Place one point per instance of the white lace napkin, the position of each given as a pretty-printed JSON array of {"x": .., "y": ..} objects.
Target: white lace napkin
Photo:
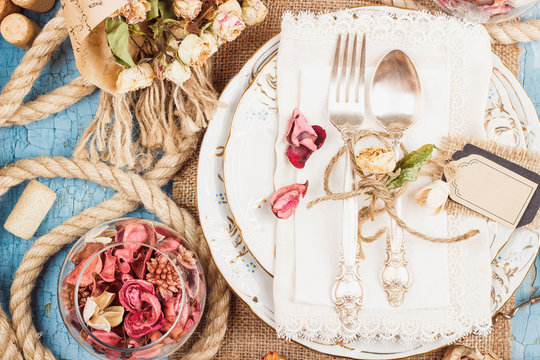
[{"x": 450, "y": 290}]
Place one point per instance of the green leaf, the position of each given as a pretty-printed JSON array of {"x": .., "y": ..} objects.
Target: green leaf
[
  {"x": 154, "y": 10},
  {"x": 117, "y": 31},
  {"x": 166, "y": 10},
  {"x": 410, "y": 165}
]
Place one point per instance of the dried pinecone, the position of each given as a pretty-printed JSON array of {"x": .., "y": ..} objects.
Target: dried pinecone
[
  {"x": 163, "y": 274},
  {"x": 68, "y": 292}
]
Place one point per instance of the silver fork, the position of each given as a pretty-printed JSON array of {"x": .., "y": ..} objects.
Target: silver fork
[{"x": 346, "y": 110}]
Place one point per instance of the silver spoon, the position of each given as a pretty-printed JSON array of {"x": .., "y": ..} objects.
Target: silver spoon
[{"x": 396, "y": 101}]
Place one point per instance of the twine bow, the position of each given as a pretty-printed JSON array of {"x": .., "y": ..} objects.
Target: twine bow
[{"x": 374, "y": 187}]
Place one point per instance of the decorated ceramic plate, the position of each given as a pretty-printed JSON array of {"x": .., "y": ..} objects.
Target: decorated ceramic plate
[{"x": 512, "y": 120}]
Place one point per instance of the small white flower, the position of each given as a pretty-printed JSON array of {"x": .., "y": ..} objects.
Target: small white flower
[
  {"x": 253, "y": 12},
  {"x": 228, "y": 26},
  {"x": 376, "y": 160},
  {"x": 230, "y": 7},
  {"x": 177, "y": 72},
  {"x": 187, "y": 9},
  {"x": 134, "y": 78},
  {"x": 193, "y": 50},
  {"x": 433, "y": 195}
]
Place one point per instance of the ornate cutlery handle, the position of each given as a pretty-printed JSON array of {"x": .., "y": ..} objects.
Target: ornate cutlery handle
[
  {"x": 348, "y": 291},
  {"x": 395, "y": 274}
]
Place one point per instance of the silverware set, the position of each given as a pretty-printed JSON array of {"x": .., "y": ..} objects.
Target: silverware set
[{"x": 395, "y": 102}]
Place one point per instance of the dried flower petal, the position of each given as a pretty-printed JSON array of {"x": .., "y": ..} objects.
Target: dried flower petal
[
  {"x": 376, "y": 160},
  {"x": 303, "y": 139},
  {"x": 130, "y": 295},
  {"x": 285, "y": 200},
  {"x": 134, "y": 233},
  {"x": 109, "y": 267},
  {"x": 98, "y": 315},
  {"x": 134, "y": 78},
  {"x": 134, "y": 11},
  {"x": 433, "y": 195},
  {"x": 86, "y": 279},
  {"x": 230, "y": 7},
  {"x": 228, "y": 26}
]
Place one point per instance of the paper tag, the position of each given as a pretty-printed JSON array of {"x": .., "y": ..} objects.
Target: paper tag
[{"x": 490, "y": 189}]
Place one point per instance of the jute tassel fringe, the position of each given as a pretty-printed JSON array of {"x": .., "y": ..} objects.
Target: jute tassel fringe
[{"x": 165, "y": 114}]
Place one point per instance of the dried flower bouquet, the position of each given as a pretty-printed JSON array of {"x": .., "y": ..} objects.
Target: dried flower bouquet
[{"x": 162, "y": 39}]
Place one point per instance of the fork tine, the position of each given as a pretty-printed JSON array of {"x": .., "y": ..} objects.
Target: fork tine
[
  {"x": 345, "y": 71},
  {"x": 353, "y": 72},
  {"x": 361, "y": 69},
  {"x": 332, "y": 93}
]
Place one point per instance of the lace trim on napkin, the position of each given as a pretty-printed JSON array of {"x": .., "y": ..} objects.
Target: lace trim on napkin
[
  {"x": 406, "y": 27},
  {"x": 402, "y": 26}
]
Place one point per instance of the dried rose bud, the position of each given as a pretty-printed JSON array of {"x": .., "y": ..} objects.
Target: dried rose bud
[
  {"x": 433, "y": 195},
  {"x": 376, "y": 160},
  {"x": 159, "y": 64},
  {"x": 272, "y": 355},
  {"x": 177, "y": 72},
  {"x": 211, "y": 40},
  {"x": 134, "y": 11},
  {"x": 228, "y": 26},
  {"x": 134, "y": 78},
  {"x": 230, "y": 7},
  {"x": 187, "y": 9},
  {"x": 285, "y": 200},
  {"x": 303, "y": 139},
  {"x": 253, "y": 12},
  {"x": 193, "y": 50}
]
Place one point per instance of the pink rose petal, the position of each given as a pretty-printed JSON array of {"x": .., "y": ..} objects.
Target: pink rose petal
[
  {"x": 130, "y": 295},
  {"x": 87, "y": 279},
  {"x": 303, "y": 139},
  {"x": 109, "y": 267},
  {"x": 285, "y": 200},
  {"x": 134, "y": 233}
]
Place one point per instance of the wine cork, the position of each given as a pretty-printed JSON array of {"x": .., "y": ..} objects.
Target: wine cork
[
  {"x": 40, "y": 6},
  {"x": 30, "y": 210},
  {"x": 19, "y": 30},
  {"x": 7, "y": 7}
]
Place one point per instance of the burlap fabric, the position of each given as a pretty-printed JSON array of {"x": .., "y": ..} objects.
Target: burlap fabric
[{"x": 248, "y": 337}]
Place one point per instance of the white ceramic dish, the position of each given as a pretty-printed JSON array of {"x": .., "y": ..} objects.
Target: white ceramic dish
[{"x": 254, "y": 285}]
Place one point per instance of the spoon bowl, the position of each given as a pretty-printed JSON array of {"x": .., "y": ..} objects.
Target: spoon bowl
[{"x": 396, "y": 93}]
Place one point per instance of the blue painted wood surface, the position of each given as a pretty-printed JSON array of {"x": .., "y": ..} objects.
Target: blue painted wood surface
[{"x": 58, "y": 135}]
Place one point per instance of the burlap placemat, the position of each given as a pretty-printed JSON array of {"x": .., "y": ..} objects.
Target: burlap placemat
[{"x": 248, "y": 337}]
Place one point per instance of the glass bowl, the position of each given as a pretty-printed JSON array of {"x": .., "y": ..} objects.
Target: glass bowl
[
  {"x": 486, "y": 11},
  {"x": 131, "y": 289}
]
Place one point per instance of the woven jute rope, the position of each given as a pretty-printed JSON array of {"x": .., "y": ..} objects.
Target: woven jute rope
[{"x": 21, "y": 334}]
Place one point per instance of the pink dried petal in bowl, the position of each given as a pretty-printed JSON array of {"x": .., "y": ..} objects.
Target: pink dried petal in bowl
[
  {"x": 131, "y": 294},
  {"x": 285, "y": 200},
  {"x": 134, "y": 233},
  {"x": 137, "y": 325},
  {"x": 86, "y": 279},
  {"x": 168, "y": 244},
  {"x": 109, "y": 267}
]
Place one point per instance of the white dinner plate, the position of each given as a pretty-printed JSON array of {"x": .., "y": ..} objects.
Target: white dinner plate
[{"x": 244, "y": 273}]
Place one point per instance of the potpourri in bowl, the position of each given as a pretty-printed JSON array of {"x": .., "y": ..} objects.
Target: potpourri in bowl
[{"x": 131, "y": 288}]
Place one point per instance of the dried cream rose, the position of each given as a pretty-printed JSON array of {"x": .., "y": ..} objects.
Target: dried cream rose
[
  {"x": 99, "y": 315},
  {"x": 253, "y": 12},
  {"x": 211, "y": 40},
  {"x": 187, "y": 9},
  {"x": 376, "y": 160},
  {"x": 433, "y": 195},
  {"x": 177, "y": 72},
  {"x": 134, "y": 78},
  {"x": 134, "y": 11},
  {"x": 193, "y": 50},
  {"x": 230, "y": 7},
  {"x": 227, "y": 26}
]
